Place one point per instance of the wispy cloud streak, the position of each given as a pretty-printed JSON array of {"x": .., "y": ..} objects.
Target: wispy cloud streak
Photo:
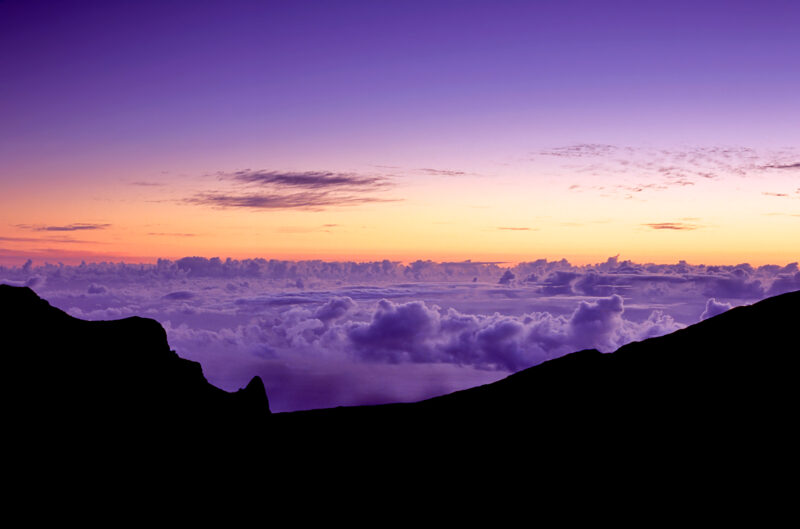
[
  {"x": 40, "y": 239},
  {"x": 80, "y": 226},
  {"x": 308, "y": 179},
  {"x": 442, "y": 172},
  {"x": 309, "y": 190},
  {"x": 671, "y": 226},
  {"x": 636, "y": 170},
  {"x": 306, "y": 200},
  {"x": 783, "y": 166}
]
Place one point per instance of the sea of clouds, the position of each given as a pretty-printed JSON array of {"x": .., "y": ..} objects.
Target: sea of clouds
[{"x": 324, "y": 334}]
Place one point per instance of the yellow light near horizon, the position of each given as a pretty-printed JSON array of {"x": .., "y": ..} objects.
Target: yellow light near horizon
[{"x": 480, "y": 219}]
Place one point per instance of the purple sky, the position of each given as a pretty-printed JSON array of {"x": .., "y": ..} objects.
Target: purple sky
[
  {"x": 137, "y": 116},
  {"x": 173, "y": 76},
  {"x": 390, "y": 132}
]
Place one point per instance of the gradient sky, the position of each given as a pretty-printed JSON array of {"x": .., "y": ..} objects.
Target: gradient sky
[{"x": 505, "y": 131}]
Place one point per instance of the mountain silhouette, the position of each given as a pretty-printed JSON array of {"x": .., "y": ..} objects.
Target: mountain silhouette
[
  {"x": 108, "y": 378},
  {"x": 713, "y": 391},
  {"x": 720, "y": 388}
]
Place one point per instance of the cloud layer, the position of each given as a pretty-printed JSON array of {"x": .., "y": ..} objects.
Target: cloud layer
[{"x": 334, "y": 333}]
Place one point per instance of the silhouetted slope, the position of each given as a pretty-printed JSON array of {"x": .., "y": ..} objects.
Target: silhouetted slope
[
  {"x": 725, "y": 385},
  {"x": 75, "y": 378}
]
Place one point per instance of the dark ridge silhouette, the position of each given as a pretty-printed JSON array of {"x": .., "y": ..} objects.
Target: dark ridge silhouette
[
  {"x": 721, "y": 391},
  {"x": 119, "y": 380},
  {"x": 723, "y": 365}
]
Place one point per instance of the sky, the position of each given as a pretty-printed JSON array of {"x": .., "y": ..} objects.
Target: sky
[{"x": 363, "y": 131}]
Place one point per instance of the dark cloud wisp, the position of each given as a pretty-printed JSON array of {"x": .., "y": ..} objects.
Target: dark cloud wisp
[
  {"x": 308, "y": 179},
  {"x": 795, "y": 165},
  {"x": 306, "y": 200},
  {"x": 78, "y": 226},
  {"x": 144, "y": 183},
  {"x": 41, "y": 239},
  {"x": 671, "y": 226},
  {"x": 311, "y": 190},
  {"x": 442, "y": 172}
]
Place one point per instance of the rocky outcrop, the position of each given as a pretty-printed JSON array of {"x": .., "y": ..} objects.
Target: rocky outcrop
[{"x": 72, "y": 377}]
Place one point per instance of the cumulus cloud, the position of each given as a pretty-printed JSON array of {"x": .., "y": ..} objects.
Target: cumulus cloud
[
  {"x": 415, "y": 332},
  {"x": 714, "y": 307},
  {"x": 397, "y": 333},
  {"x": 31, "y": 282},
  {"x": 594, "y": 323},
  {"x": 786, "y": 281},
  {"x": 739, "y": 283},
  {"x": 334, "y": 309},
  {"x": 507, "y": 277},
  {"x": 96, "y": 289}
]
